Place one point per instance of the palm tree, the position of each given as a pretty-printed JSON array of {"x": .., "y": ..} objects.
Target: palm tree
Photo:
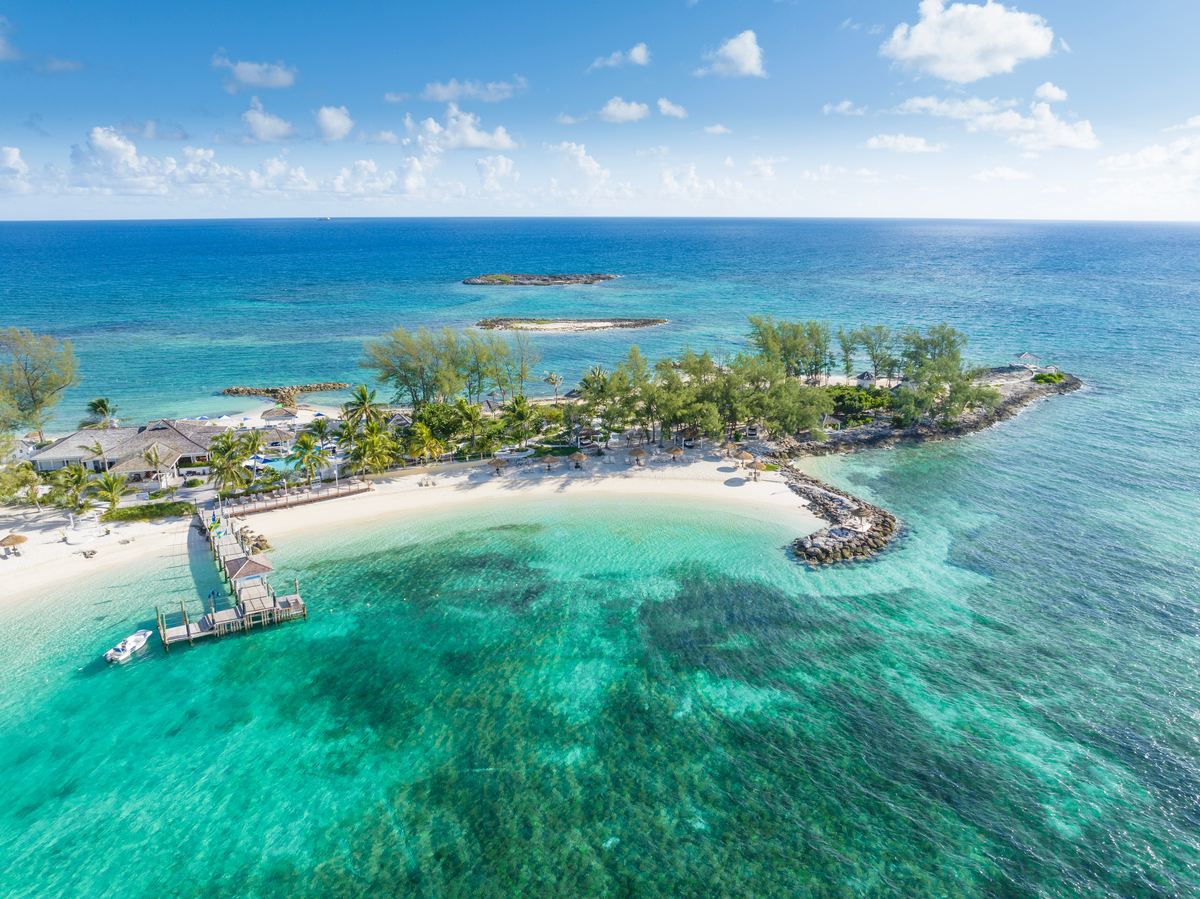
[
  {"x": 423, "y": 444},
  {"x": 361, "y": 408},
  {"x": 308, "y": 453},
  {"x": 96, "y": 449},
  {"x": 375, "y": 450},
  {"x": 519, "y": 416},
  {"x": 471, "y": 416},
  {"x": 155, "y": 459},
  {"x": 101, "y": 414},
  {"x": 226, "y": 455},
  {"x": 321, "y": 429},
  {"x": 253, "y": 445},
  {"x": 555, "y": 381},
  {"x": 68, "y": 486},
  {"x": 110, "y": 488}
]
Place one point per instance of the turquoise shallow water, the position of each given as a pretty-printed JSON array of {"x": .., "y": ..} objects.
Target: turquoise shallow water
[{"x": 640, "y": 698}]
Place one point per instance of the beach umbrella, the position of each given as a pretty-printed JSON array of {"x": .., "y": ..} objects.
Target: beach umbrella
[
  {"x": 577, "y": 458},
  {"x": 636, "y": 454},
  {"x": 549, "y": 461},
  {"x": 743, "y": 456},
  {"x": 497, "y": 464},
  {"x": 757, "y": 467},
  {"x": 675, "y": 452},
  {"x": 13, "y": 540},
  {"x": 728, "y": 447}
]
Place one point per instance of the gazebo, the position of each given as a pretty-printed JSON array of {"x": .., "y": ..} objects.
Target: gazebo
[
  {"x": 497, "y": 464},
  {"x": 637, "y": 454},
  {"x": 743, "y": 457},
  {"x": 1028, "y": 359},
  {"x": 675, "y": 452},
  {"x": 577, "y": 459}
]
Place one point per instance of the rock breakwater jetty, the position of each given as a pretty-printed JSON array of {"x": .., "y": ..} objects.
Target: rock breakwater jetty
[
  {"x": 512, "y": 279},
  {"x": 566, "y": 324},
  {"x": 857, "y": 529},
  {"x": 285, "y": 396}
]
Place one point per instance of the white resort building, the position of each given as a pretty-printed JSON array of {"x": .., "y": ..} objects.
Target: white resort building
[{"x": 126, "y": 450}]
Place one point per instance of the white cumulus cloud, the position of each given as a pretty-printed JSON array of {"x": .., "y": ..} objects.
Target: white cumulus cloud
[
  {"x": 14, "y": 171},
  {"x": 617, "y": 110},
  {"x": 253, "y": 74},
  {"x": 396, "y": 97},
  {"x": 363, "y": 179},
  {"x": 462, "y": 132},
  {"x": 843, "y": 108},
  {"x": 1051, "y": 93},
  {"x": 666, "y": 107},
  {"x": 492, "y": 169},
  {"x": 717, "y": 129},
  {"x": 902, "y": 143},
  {"x": 1193, "y": 122},
  {"x": 638, "y": 55},
  {"x": 263, "y": 127},
  {"x": 1041, "y": 130},
  {"x": 333, "y": 122},
  {"x": 492, "y": 92},
  {"x": 738, "y": 56},
  {"x": 1002, "y": 173},
  {"x": 965, "y": 42},
  {"x": 577, "y": 153}
]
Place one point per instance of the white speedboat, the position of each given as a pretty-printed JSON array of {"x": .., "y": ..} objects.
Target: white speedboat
[{"x": 127, "y": 647}]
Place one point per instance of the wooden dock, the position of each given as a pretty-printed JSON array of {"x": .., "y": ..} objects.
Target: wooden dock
[
  {"x": 297, "y": 497},
  {"x": 255, "y": 602}
]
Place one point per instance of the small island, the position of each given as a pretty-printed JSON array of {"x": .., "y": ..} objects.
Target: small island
[
  {"x": 510, "y": 279},
  {"x": 566, "y": 324}
]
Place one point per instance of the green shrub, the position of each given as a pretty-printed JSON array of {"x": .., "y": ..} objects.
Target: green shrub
[
  {"x": 149, "y": 512},
  {"x": 1049, "y": 377},
  {"x": 194, "y": 482}
]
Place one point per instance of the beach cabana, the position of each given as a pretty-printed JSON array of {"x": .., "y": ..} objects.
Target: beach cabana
[
  {"x": 497, "y": 464},
  {"x": 675, "y": 452},
  {"x": 577, "y": 459},
  {"x": 866, "y": 380},
  {"x": 637, "y": 454},
  {"x": 743, "y": 457},
  {"x": 12, "y": 541}
]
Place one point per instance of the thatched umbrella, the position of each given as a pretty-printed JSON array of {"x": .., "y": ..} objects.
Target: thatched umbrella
[
  {"x": 549, "y": 461},
  {"x": 13, "y": 540},
  {"x": 637, "y": 453},
  {"x": 497, "y": 464},
  {"x": 675, "y": 452},
  {"x": 728, "y": 447},
  {"x": 743, "y": 456},
  {"x": 577, "y": 458},
  {"x": 757, "y": 467}
]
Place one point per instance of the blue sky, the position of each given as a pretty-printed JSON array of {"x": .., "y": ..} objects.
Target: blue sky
[{"x": 1034, "y": 109}]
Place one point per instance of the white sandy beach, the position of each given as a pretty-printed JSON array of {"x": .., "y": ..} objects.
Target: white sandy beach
[{"x": 46, "y": 561}]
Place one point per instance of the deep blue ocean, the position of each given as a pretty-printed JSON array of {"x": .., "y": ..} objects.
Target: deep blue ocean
[{"x": 639, "y": 698}]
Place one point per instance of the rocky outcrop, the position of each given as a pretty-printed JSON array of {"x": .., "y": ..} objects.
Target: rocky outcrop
[
  {"x": 285, "y": 396},
  {"x": 509, "y": 279},
  {"x": 857, "y": 529}
]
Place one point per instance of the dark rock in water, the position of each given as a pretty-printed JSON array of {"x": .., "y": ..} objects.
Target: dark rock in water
[{"x": 525, "y": 280}]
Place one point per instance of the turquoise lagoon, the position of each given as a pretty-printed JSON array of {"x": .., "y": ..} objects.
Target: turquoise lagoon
[{"x": 640, "y": 697}]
